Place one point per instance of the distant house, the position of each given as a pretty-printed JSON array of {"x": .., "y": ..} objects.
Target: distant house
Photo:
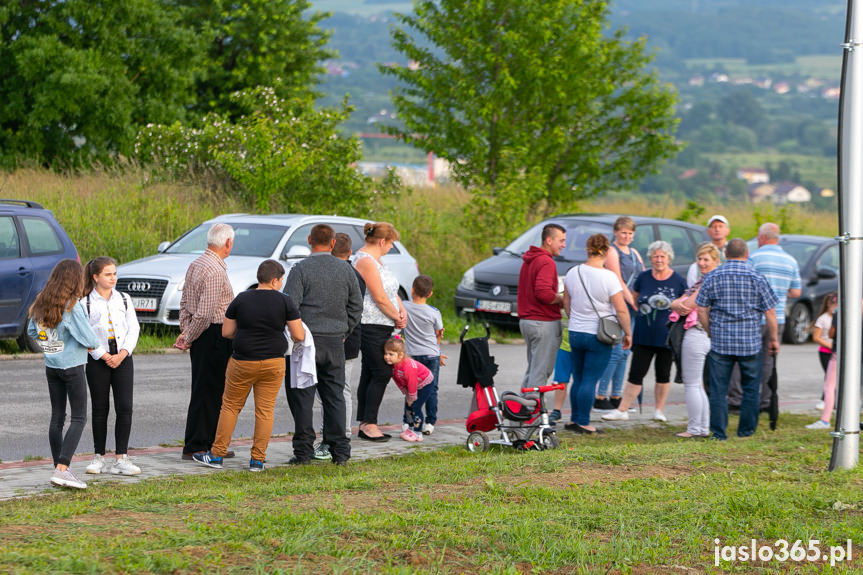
[
  {"x": 779, "y": 193},
  {"x": 753, "y": 175},
  {"x": 697, "y": 80},
  {"x": 781, "y": 87},
  {"x": 690, "y": 173},
  {"x": 831, "y": 93}
]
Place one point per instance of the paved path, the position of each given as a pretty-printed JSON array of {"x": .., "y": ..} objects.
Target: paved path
[{"x": 799, "y": 376}]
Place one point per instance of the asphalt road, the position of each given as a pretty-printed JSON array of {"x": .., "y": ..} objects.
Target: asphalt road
[{"x": 162, "y": 391}]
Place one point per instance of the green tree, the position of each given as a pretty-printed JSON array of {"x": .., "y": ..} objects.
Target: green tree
[
  {"x": 742, "y": 108},
  {"x": 256, "y": 43},
  {"x": 276, "y": 155},
  {"x": 80, "y": 76},
  {"x": 535, "y": 104}
]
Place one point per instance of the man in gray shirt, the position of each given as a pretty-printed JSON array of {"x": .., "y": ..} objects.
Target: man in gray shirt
[{"x": 328, "y": 295}]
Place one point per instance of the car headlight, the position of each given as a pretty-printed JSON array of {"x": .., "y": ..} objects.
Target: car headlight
[
  {"x": 468, "y": 280},
  {"x": 181, "y": 285}
]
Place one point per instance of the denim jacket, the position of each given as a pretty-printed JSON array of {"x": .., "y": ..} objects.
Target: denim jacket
[{"x": 66, "y": 345}]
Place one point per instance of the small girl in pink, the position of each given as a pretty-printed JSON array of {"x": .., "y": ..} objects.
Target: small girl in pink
[{"x": 413, "y": 379}]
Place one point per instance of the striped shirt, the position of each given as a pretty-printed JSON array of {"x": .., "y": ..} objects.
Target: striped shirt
[
  {"x": 737, "y": 296},
  {"x": 781, "y": 271},
  {"x": 206, "y": 295}
]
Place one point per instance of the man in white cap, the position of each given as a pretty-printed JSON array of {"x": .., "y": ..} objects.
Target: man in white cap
[{"x": 718, "y": 230}]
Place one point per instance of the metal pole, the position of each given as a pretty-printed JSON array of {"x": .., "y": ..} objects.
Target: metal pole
[{"x": 847, "y": 434}]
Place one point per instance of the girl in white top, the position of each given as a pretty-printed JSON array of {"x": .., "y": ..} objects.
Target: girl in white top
[
  {"x": 588, "y": 286},
  {"x": 109, "y": 366}
]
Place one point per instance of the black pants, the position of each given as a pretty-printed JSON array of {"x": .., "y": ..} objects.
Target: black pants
[
  {"x": 62, "y": 384},
  {"x": 330, "y": 363},
  {"x": 101, "y": 380},
  {"x": 301, "y": 403},
  {"x": 375, "y": 373},
  {"x": 210, "y": 354}
]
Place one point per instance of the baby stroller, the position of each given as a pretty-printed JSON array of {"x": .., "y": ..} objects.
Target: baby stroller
[{"x": 521, "y": 419}]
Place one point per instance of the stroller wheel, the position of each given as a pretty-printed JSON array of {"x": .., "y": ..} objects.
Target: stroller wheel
[
  {"x": 477, "y": 441},
  {"x": 549, "y": 440}
]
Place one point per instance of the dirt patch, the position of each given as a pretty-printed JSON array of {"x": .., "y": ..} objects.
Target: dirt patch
[{"x": 588, "y": 473}]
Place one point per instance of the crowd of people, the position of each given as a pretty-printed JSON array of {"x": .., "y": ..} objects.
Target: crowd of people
[
  {"x": 304, "y": 330},
  {"x": 720, "y": 325}
]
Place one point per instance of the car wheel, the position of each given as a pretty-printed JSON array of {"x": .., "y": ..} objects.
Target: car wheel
[
  {"x": 27, "y": 343},
  {"x": 797, "y": 323}
]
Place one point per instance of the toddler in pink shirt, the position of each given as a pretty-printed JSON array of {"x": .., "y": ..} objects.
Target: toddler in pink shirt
[{"x": 413, "y": 379}]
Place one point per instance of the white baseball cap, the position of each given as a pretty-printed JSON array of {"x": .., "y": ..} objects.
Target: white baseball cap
[{"x": 717, "y": 218}]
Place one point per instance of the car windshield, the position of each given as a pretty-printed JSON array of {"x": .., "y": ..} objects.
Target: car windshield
[
  {"x": 800, "y": 251},
  {"x": 257, "y": 240},
  {"x": 577, "y": 233}
]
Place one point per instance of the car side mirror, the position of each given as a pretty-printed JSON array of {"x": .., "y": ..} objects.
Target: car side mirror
[
  {"x": 826, "y": 274},
  {"x": 162, "y": 247},
  {"x": 496, "y": 251},
  {"x": 298, "y": 252}
]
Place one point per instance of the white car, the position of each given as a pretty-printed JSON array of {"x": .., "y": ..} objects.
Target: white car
[{"x": 156, "y": 282}]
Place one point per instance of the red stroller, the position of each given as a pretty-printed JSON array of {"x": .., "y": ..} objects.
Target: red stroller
[{"x": 521, "y": 419}]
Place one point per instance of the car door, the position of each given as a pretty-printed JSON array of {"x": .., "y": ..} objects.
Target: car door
[{"x": 16, "y": 278}]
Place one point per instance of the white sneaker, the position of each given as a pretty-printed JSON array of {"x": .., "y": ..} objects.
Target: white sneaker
[
  {"x": 818, "y": 425},
  {"x": 123, "y": 466},
  {"x": 405, "y": 427},
  {"x": 659, "y": 416},
  {"x": 67, "y": 479},
  {"x": 428, "y": 428},
  {"x": 616, "y": 415},
  {"x": 98, "y": 465},
  {"x": 819, "y": 405}
]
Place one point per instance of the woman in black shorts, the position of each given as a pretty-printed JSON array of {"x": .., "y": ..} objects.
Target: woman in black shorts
[{"x": 653, "y": 291}]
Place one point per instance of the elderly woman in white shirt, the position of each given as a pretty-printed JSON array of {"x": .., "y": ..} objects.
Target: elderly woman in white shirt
[
  {"x": 591, "y": 292},
  {"x": 109, "y": 367}
]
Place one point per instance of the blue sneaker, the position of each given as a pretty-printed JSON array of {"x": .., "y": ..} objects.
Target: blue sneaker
[
  {"x": 554, "y": 416},
  {"x": 256, "y": 465},
  {"x": 207, "y": 458}
]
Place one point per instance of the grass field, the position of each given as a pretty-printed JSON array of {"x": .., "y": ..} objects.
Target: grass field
[
  {"x": 631, "y": 501},
  {"x": 126, "y": 215},
  {"x": 824, "y": 66}
]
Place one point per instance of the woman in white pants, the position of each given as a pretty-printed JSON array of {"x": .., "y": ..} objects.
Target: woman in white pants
[{"x": 696, "y": 345}]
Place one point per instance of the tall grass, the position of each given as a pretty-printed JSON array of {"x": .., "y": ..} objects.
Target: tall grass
[{"x": 125, "y": 215}]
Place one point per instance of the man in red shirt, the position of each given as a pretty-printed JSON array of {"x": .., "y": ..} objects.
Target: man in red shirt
[{"x": 539, "y": 303}]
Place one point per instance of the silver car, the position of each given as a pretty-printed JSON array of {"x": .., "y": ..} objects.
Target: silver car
[{"x": 156, "y": 282}]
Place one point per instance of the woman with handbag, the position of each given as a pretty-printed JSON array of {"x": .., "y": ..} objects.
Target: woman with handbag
[
  {"x": 696, "y": 345},
  {"x": 653, "y": 291},
  {"x": 598, "y": 318}
]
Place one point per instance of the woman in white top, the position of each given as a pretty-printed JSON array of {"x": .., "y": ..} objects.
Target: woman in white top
[
  {"x": 109, "y": 366},
  {"x": 383, "y": 312},
  {"x": 591, "y": 292}
]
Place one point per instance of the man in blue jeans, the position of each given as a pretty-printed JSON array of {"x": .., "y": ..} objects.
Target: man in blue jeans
[{"x": 731, "y": 302}]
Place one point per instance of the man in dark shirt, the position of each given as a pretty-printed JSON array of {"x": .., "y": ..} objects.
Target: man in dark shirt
[{"x": 328, "y": 296}]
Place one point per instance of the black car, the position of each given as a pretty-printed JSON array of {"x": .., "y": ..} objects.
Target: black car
[
  {"x": 818, "y": 258},
  {"x": 31, "y": 244},
  {"x": 488, "y": 290}
]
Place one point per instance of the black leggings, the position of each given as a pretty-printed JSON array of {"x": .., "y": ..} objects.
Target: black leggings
[
  {"x": 102, "y": 379},
  {"x": 641, "y": 358},
  {"x": 375, "y": 374},
  {"x": 66, "y": 384}
]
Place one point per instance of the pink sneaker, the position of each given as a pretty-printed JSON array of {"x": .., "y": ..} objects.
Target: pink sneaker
[{"x": 409, "y": 435}]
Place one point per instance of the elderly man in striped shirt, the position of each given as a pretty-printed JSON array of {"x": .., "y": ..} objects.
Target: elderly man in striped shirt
[
  {"x": 206, "y": 296},
  {"x": 731, "y": 303}
]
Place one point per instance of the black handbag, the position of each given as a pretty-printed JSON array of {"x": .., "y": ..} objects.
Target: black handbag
[{"x": 608, "y": 331}]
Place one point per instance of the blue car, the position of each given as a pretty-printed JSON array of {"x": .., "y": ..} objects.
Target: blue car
[{"x": 31, "y": 244}]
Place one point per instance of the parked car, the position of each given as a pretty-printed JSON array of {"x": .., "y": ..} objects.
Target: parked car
[
  {"x": 488, "y": 290},
  {"x": 31, "y": 244},
  {"x": 156, "y": 282},
  {"x": 818, "y": 258}
]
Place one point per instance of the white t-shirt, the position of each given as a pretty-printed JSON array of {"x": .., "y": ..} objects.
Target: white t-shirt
[
  {"x": 601, "y": 284},
  {"x": 825, "y": 321}
]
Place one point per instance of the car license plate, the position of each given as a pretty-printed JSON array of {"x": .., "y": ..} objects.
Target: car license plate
[
  {"x": 493, "y": 306},
  {"x": 145, "y": 303}
]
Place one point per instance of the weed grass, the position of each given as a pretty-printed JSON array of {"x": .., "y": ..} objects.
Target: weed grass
[
  {"x": 126, "y": 215},
  {"x": 632, "y": 501}
]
